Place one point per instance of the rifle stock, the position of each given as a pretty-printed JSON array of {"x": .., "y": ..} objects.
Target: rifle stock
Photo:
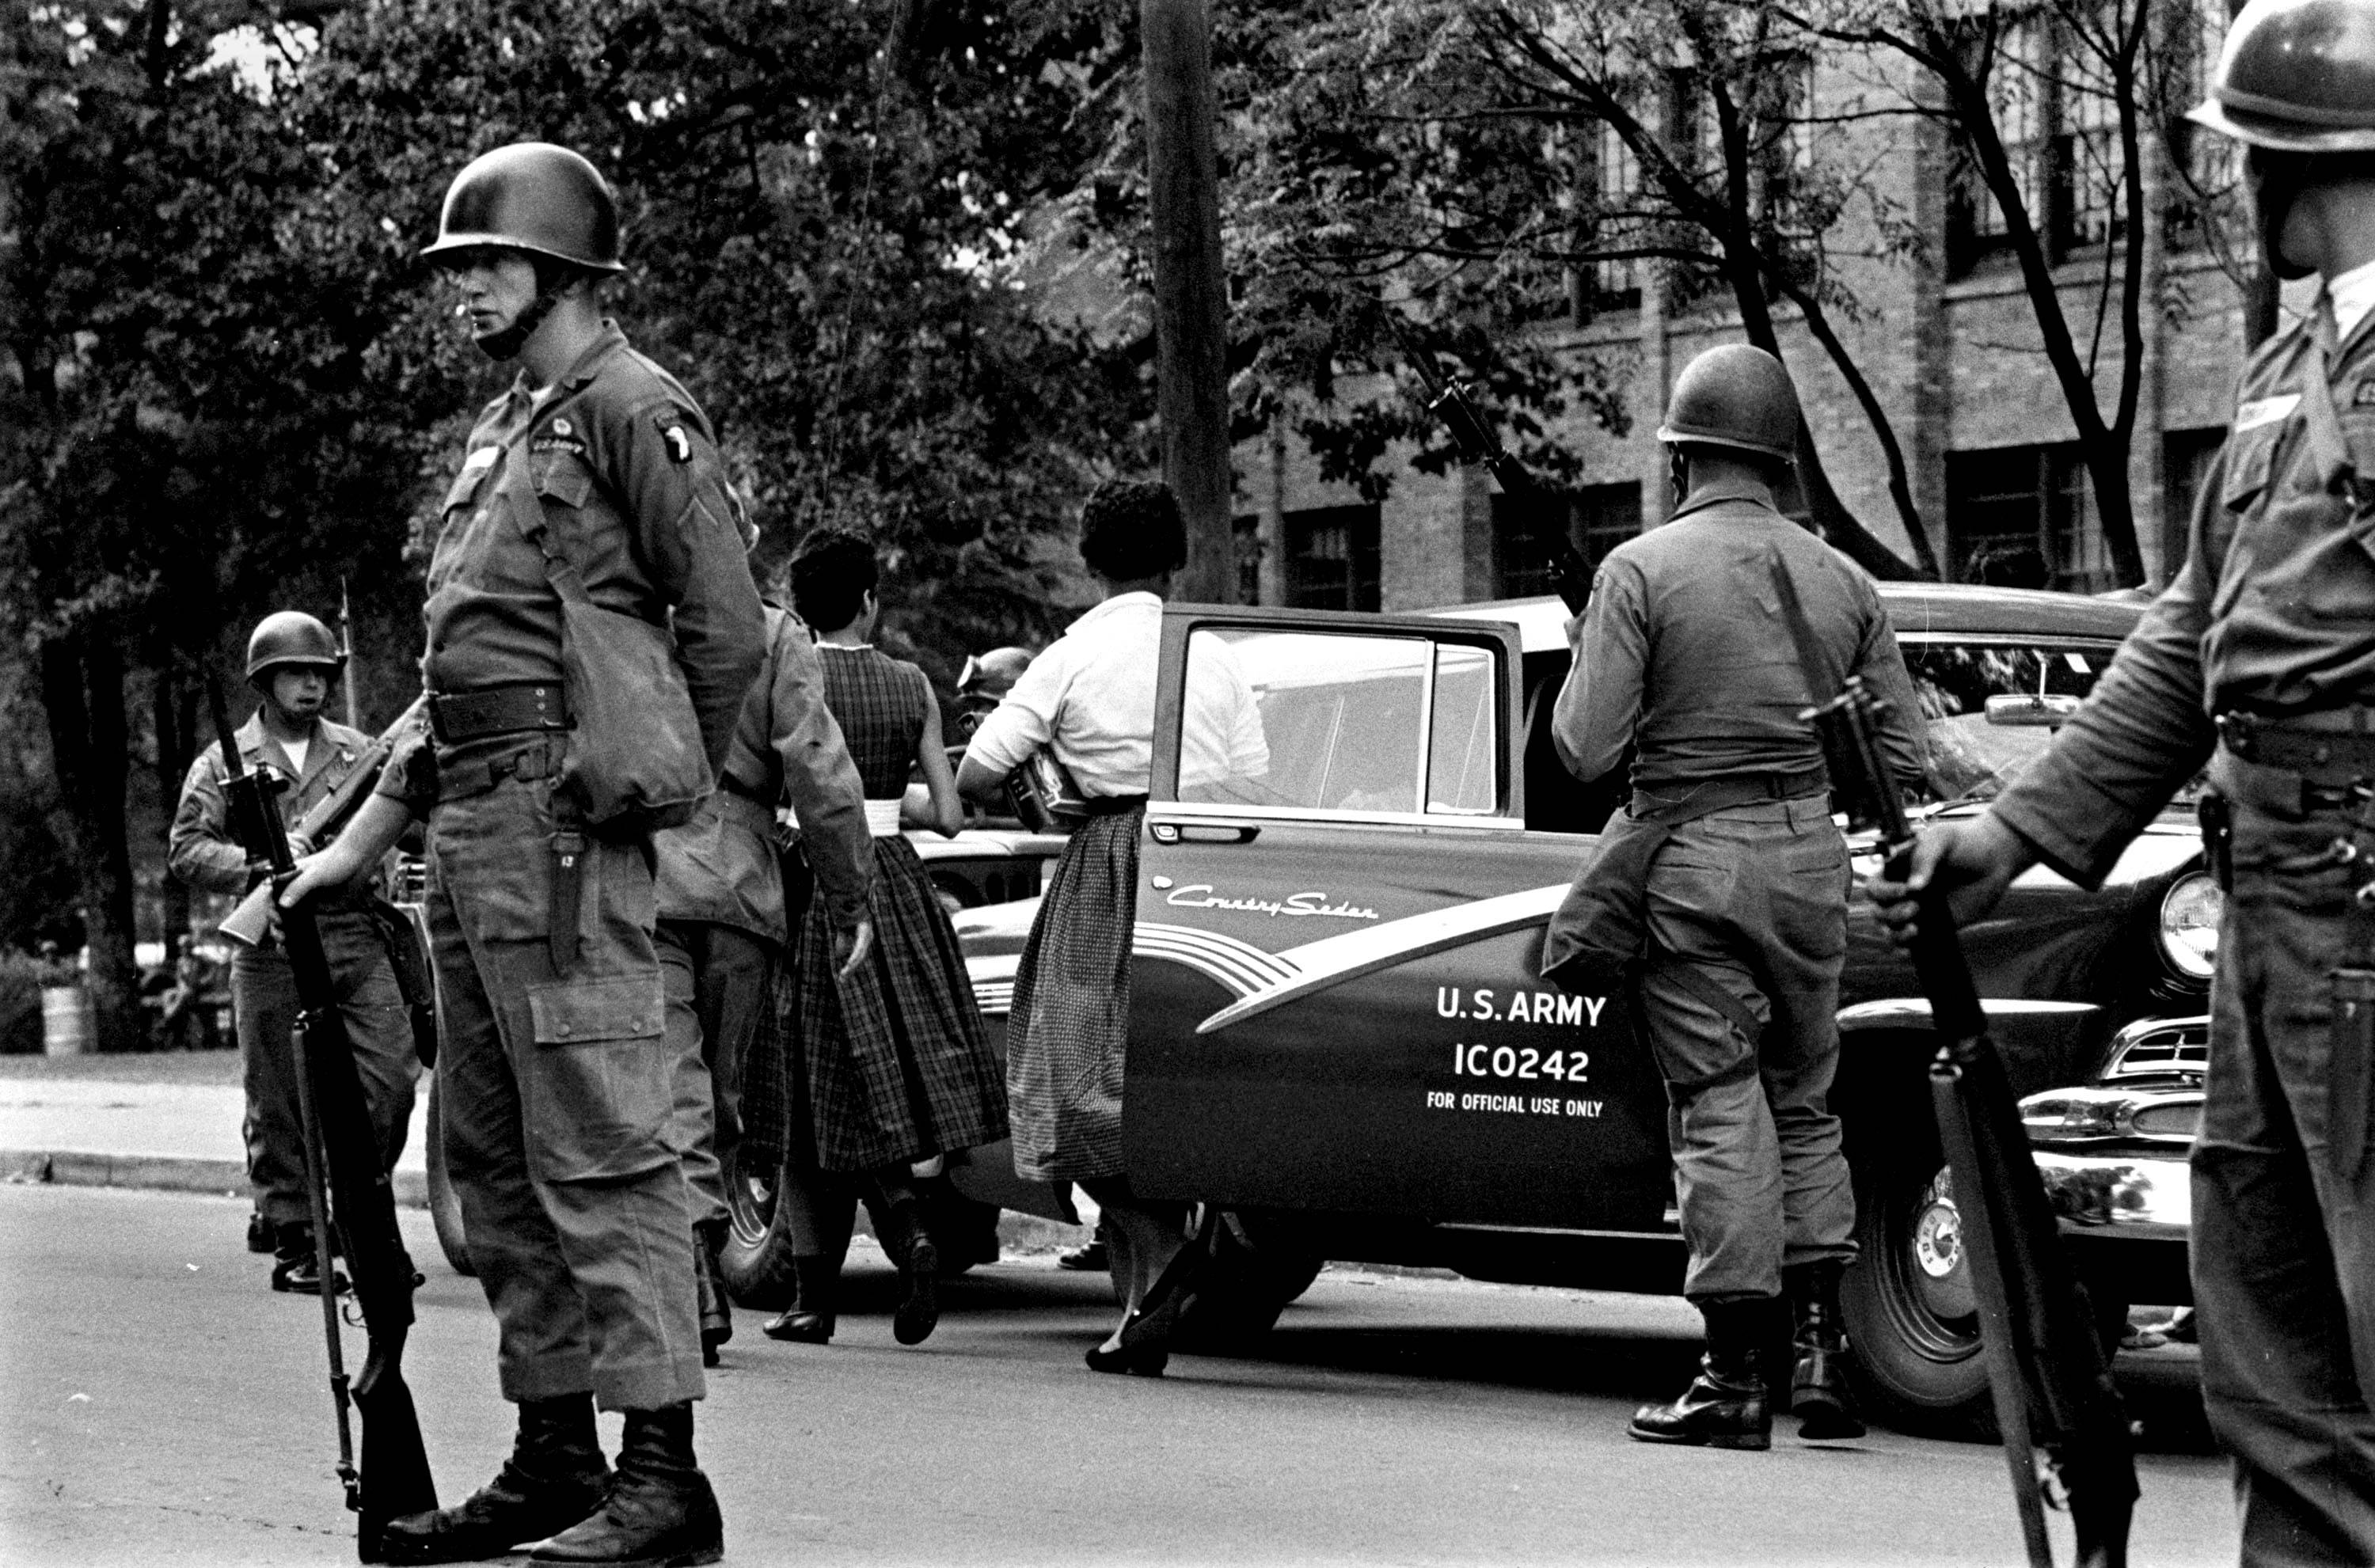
[
  {"x": 2048, "y": 1374},
  {"x": 393, "y": 1478},
  {"x": 251, "y": 922}
]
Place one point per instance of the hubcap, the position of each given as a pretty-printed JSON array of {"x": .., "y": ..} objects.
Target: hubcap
[{"x": 1941, "y": 1274}]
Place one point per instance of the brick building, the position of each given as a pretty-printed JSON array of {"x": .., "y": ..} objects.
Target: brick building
[{"x": 1951, "y": 347}]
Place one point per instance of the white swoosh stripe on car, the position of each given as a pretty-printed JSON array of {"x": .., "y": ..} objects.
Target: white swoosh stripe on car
[
  {"x": 1333, "y": 960},
  {"x": 1240, "y": 966}
]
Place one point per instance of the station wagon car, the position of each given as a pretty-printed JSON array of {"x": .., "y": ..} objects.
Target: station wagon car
[{"x": 1340, "y": 1039}]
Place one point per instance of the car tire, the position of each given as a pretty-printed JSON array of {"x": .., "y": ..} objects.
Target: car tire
[
  {"x": 756, "y": 1261},
  {"x": 444, "y": 1203},
  {"x": 1911, "y": 1310}
]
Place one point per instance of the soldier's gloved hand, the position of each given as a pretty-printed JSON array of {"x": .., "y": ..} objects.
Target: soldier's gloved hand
[
  {"x": 1972, "y": 861},
  {"x": 851, "y": 945}
]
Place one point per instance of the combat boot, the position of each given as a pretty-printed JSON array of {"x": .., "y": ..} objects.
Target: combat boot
[
  {"x": 716, "y": 1310},
  {"x": 1819, "y": 1396},
  {"x": 1725, "y": 1405},
  {"x": 554, "y": 1478},
  {"x": 809, "y": 1320},
  {"x": 660, "y": 1512}
]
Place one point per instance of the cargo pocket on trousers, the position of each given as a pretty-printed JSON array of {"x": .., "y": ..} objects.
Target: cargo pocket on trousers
[{"x": 597, "y": 1096}]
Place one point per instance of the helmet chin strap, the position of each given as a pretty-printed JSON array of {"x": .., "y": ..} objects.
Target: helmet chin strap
[
  {"x": 2278, "y": 186},
  {"x": 1678, "y": 474},
  {"x": 505, "y": 343}
]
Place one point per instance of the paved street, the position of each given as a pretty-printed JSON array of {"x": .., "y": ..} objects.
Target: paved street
[{"x": 159, "y": 1407}]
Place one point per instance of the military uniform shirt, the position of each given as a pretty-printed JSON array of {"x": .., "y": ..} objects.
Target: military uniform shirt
[
  {"x": 202, "y": 851},
  {"x": 623, "y": 462},
  {"x": 2273, "y": 613},
  {"x": 1684, "y": 641}
]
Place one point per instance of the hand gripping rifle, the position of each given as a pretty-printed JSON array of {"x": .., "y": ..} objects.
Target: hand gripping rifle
[
  {"x": 251, "y": 922},
  {"x": 2047, "y": 1371},
  {"x": 344, "y": 1176},
  {"x": 1449, "y": 403}
]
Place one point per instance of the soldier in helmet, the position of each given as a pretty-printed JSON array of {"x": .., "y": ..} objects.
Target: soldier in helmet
[
  {"x": 590, "y": 513},
  {"x": 1727, "y": 867},
  {"x": 2259, "y": 659},
  {"x": 292, "y": 661}
]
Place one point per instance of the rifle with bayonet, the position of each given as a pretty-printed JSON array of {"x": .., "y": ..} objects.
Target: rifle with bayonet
[
  {"x": 251, "y": 922},
  {"x": 1449, "y": 402},
  {"x": 2047, "y": 1373},
  {"x": 347, "y": 1184}
]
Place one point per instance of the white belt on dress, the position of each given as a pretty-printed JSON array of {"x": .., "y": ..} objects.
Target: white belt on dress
[{"x": 882, "y": 819}]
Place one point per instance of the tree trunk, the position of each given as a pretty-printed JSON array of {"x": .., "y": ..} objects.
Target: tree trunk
[
  {"x": 1191, "y": 326},
  {"x": 173, "y": 713},
  {"x": 82, "y": 689}
]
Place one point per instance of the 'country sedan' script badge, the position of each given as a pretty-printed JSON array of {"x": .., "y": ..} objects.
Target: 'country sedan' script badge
[{"x": 1199, "y": 895}]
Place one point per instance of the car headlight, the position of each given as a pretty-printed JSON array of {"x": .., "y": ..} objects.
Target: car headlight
[{"x": 2189, "y": 926}]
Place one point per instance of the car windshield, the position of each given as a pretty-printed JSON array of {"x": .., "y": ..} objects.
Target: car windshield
[{"x": 1973, "y": 758}]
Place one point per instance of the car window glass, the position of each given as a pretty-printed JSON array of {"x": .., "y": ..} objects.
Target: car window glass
[
  {"x": 1339, "y": 719},
  {"x": 1970, "y": 757},
  {"x": 1463, "y": 749}
]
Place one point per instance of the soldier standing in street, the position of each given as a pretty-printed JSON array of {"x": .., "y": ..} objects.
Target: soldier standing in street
[
  {"x": 292, "y": 661},
  {"x": 2260, "y": 660},
  {"x": 590, "y": 528},
  {"x": 722, "y": 924},
  {"x": 1731, "y": 867}
]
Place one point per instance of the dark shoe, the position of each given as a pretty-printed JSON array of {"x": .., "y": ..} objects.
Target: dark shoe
[
  {"x": 809, "y": 1320},
  {"x": 716, "y": 1309},
  {"x": 1137, "y": 1359},
  {"x": 1090, "y": 1259},
  {"x": 919, "y": 1312},
  {"x": 660, "y": 1512},
  {"x": 260, "y": 1233},
  {"x": 1725, "y": 1405},
  {"x": 295, "y": 1267},
  {"x": 554, "y": 1478},
  {"x": 1819, "y": 1395}
]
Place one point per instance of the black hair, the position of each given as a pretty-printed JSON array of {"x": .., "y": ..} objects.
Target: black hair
[
  {"x": 831, "y": 573},
  {"x": 1131, "y": 529}
]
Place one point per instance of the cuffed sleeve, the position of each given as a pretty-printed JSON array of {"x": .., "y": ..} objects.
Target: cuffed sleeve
[{"x": 409, "y": 775}]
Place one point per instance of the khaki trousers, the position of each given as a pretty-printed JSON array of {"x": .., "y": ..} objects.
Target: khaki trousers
[
  {"x": 719, "y": 980},
  {"x": 557, "y": 1099},
  {"x": 264, "y": 1012},
  {"x": 2284, "y": 1223},
  {"x": 1754, "y": 899}
]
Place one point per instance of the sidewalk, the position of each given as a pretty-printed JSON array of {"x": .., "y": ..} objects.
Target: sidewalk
[{"x": 170, "y": 1122}]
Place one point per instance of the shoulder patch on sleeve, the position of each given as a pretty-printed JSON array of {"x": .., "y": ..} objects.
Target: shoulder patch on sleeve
[{"x": 672, "y": 433}]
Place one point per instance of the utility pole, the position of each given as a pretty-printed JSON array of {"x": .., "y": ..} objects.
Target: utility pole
[{"x": 1191, "y": 306}]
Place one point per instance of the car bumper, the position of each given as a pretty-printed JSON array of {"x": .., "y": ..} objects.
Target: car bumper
[{"x": 2144, "y": 1197}]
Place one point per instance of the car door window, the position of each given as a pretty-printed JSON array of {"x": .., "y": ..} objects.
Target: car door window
[{"x": 1321, "y": 720}]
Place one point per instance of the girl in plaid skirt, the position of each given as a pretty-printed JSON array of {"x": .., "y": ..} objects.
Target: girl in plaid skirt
[{"x": 892, "y": 1063}]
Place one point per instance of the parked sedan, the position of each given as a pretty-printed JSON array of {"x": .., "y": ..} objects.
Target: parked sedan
[{"x": 1339, "y": 1036}]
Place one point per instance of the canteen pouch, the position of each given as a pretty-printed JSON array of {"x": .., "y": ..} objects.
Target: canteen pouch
[
  {"x": 1600, "y": 932},
  {"x": 636, "y": 756}
]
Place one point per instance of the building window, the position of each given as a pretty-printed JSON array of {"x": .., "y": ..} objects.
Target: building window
[
  {"x": 2185, "y": 459},
  {"x": 2023, "y": 517},
  {"x": 2205, "y": 204},
  {"x": 2058, "y": 118},
  {"x": 1332, "y": 558},
  {"x": 1527, "y": 533}
]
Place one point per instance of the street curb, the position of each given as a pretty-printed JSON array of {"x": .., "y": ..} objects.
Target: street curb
[
  {"x": 167, "y": 1173},
  {"x": 157, "y": 1173}
]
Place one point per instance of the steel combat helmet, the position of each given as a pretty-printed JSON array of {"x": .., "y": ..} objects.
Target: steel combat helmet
[
  {"x": 292, "y": 637},
  {"x": 535, "y": 197},
  {"x": 2296, "y": 75},
  {"x": 1735, "y": 396}
]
